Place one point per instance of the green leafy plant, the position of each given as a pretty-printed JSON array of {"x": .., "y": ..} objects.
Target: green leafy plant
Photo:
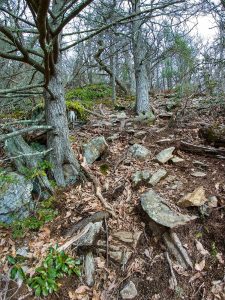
[
  {"x": 214, "y": 250},
  {"x": 45, "y": 213},
  {"x": 40, "y": 170},
  {"x": 57, "y": 264},
  {"x": 89, "y": 92},
  {"x": 104, "y": 169},
  {"x": 16, "y": 270}
]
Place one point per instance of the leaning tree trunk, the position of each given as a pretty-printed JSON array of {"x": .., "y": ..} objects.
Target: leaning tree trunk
[{"x": 58, "y": 138}]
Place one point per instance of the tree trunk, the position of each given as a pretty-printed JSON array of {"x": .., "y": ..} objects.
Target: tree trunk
[
  {"x": 139, "y": 52},
  {"x": 58, "y": 138}
]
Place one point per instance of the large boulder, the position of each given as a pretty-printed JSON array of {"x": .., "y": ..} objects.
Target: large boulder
[
  {"x": 94, "y": 149},
  {"x": 15, "y": 197}
]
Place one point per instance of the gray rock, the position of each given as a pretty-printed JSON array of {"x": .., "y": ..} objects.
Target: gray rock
[
  {"x": 140, "y": 152},
  {"x": 160, "y": 213},
  {"x": 212, "y": 201},
  {"x": 147, "y": 118},
  {"x": 89, "y": 238},
  {"x": 102, "y": 123},
  {"x": 141, "y": 177},
  {"x": 176, "y": 159},
  {"x": 121, "y": 115},
  {"x": 89, "y": 269},
  {"x": 129, "y": 291},
  {"x": 113, "y": 137},
  {"x": 157, "y": 176},
  {"x": 15, "y": 197},
  {"x": 23, "y": 251},
  {"x": 120, "y": 256},
  {"x": 165, "y": 155},
  {"x": 94, "y": 149},
  {"x": 198, "y": 174},
  {"x": 128, "y": 237}
]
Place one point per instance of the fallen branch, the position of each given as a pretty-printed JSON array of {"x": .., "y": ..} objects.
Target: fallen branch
[
  {"x": 97, "y": 186},
  {"x": 4, "y": 137},
  {"x": 28, "y": 154},
  {"x": 202, "y": 150}
]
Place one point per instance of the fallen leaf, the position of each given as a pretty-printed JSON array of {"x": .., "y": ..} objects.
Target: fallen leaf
[
  {"x": 200, "y": 266},
  {"x": 201, "y": 249},
  {"x": 220, "y": 258}
]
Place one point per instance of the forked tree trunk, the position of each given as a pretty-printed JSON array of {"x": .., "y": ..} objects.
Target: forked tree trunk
[{"x": 58, "y": 138}]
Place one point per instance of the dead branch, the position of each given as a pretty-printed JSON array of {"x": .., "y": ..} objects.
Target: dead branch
[
  {"x": 201, "y": 150},
  {"x": 4, "y": 137},
  {"x": 97, "y": 186}
]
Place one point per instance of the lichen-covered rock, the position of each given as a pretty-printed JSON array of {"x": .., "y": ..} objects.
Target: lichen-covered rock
[
  {"x": 129, "y": 291},
  {"x": 196, "y": 198},
  {"x": 139, "y": 152},
  {"x": 165, "y": 155},
  {"x": 160, "y": 213},
  {"x": 15, "y": 197},
  {"x": 157, "y": 176},
  {"x": 141, "y": 177},
  {"x": 94, "y": 149},
  {"x": 147, "y": 118}
]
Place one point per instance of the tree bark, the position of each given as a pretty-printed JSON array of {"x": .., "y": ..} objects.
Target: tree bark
[
  {"x": 139, "y": 52},
  {"x": 58, "y": 138}
]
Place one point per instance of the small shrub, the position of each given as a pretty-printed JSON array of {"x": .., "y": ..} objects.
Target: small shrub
[{"x": 56, "y": 264}]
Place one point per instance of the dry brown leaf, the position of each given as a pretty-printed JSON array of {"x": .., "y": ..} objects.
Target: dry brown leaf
[
  {"x": 200, "y": 266},
  {"x": 220, "y": 258},
  {"x": 100, "y": 262},
  {"x": 201, "y": 249}
]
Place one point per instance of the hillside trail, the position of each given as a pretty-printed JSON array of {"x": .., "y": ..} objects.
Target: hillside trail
[{"x": 129, "y": 248}]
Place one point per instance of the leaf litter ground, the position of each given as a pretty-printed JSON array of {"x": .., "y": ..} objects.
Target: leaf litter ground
[{"x": 147, "y": 266}]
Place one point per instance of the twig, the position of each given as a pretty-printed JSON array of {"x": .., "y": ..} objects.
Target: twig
[
  {"x": 107, "y": 243},
  {"x": 97, "y": 186}
]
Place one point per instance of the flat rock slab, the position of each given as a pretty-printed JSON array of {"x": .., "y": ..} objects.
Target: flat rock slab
[
  {"x": 128, "y": 237},
  {"x": 89, "y": 269},
  {"x": 129, "y": 291},
  {"x": 198, "y": 174},
  {"x": 159, "y": 212},
  {"x": 94, "y": 149},
  {"x": 176, "y": 159},
  {"x": 157, "y": 176},
  {"x": 165, "y": 155},
  {"x": 196, "y": 198},
  {"x": 140, "y": 152}
]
